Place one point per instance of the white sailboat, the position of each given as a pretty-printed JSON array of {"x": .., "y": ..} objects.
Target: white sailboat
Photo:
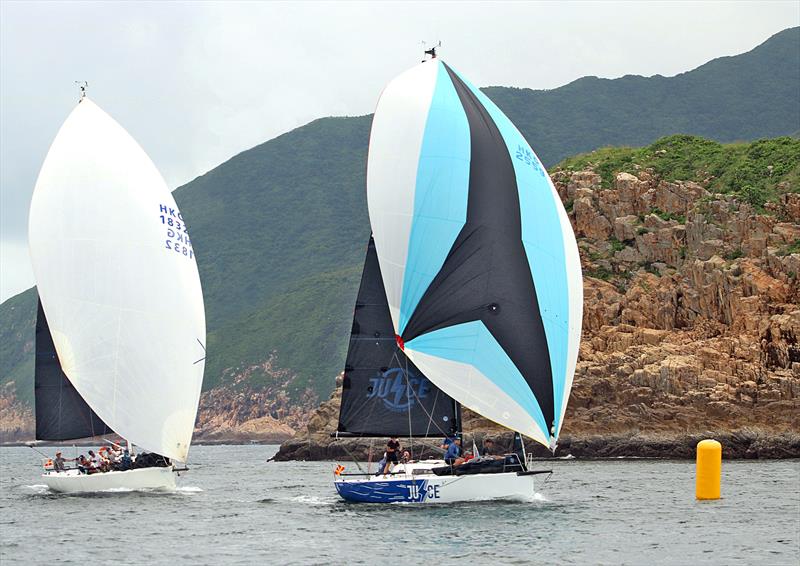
[
  {"x": 481, "y": 290},
  {"x": 121, "y": 322}
]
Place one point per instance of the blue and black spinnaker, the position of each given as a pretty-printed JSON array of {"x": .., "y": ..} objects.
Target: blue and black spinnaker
[{"x": 479, "y": 262}]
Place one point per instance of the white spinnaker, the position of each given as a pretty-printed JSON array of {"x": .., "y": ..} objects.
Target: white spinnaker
[
  {"x": 394, "y": 150},
  {"x": 119, "y": 283}
]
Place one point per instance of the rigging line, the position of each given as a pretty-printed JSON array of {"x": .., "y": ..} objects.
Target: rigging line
[
  {"x": 430, "y": 415},
  {"x": 204, "y": 351},
  {"x": 433, "y": 447},
  {"x": 350, "y": 454},
  {"x": 430, "y": 419},
  {"x": 408, "y": 398}
]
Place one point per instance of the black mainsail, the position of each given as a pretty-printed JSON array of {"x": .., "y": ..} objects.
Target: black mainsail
[
  {"x": 383, "y": 392},
  {"x": 61, "y": 413}
]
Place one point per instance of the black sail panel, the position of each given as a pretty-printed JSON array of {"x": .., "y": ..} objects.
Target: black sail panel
[
  {"x": 486, "y": 276},
  {"x": 383, "y": 392},
  {"x": 61, "y": 413}
]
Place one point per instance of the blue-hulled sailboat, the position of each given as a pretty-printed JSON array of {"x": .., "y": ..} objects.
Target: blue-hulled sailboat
[{"x": 481, "y": 279}]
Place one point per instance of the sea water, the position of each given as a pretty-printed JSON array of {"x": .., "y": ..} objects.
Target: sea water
[{"x": 234, "y": 507}]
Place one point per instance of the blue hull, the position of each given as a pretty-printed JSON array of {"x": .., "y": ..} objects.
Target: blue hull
[{"x": 392, "y": 491}]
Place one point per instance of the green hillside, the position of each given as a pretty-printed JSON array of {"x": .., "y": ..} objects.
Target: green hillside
[
  {"x": 280, "y": 230},
  {"x": 18, "y": 316},
  {"x": 745, "y": 97},
  {"x": 753, "y": 172}
]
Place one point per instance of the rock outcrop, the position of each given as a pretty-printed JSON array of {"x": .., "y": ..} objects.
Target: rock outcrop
[
  {"x": 238, "y": 411},
  {"x": 16, "y": 419},
  {"x": 691, "y": 324},
  {"x": 241, "y": 412}
]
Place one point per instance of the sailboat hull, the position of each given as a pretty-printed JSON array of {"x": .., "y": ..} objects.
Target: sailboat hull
[
  {"x": 423, "y": 488},
  {"x": 142, "y": 479}
]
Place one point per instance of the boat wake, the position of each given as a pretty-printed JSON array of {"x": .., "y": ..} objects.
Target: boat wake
[
  {"x": 313, "y": 500},
  {"x": 532, "y": 498},
  {"x": 42, "y": 489}
]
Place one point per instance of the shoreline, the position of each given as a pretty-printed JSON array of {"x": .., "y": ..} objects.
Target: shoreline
[
  {"x": 89, "y": 443},
  {"x": 736, "y": 445},
  {"x": 743, "y": 444}
]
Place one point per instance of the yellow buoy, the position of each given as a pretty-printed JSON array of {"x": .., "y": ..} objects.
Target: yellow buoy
[{"x": 709, "y": 469}]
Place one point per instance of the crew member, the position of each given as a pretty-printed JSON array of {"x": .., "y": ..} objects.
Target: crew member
[
  {"x": 489, "y": 450},
  {"x": 126, "y": 462},
  {"x": 392, "y": 450},
  {"x": 58, "y": 463},
  {"x": 453, "y": 455}
]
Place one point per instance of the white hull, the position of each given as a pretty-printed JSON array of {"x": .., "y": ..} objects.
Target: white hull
[
  {"x": 144, "y": 478},
  {"x": 416, "y": 486}
]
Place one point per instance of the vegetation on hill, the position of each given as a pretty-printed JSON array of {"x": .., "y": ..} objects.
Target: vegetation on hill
[
  {"x": 288, "y": 209},
  {"x": 280, "y": 230},
  {"x": 754, "y": 172},
  {"x": 745, "y": 97},
  {"x": 18, "y": 316}
]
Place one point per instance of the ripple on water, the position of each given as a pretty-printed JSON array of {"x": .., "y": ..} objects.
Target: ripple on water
[
  {"x": 618, "y": 511},
  {"x": 313, "y": 500}
]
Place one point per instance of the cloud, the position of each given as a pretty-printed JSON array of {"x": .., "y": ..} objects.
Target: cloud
[
  {"x": 196, "y": 83},
  {"x": 16, "y": 274}
]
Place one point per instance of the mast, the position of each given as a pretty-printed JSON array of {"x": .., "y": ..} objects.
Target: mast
[
  {"x": 430, "y": 52},
  {"x": 82, "y": 85},
  {"x": 457, "y": 418}
]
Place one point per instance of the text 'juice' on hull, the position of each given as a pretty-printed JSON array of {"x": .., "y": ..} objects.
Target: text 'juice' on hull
[
  {"x": 120, "y": 329},
  {"x": 471, "y": 293}
]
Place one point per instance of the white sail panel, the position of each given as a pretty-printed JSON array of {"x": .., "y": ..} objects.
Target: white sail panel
[
  {"x": 395, "y": 143},
  {"x": 118, "y": 282},
  {"x": 456, "y": 360}
]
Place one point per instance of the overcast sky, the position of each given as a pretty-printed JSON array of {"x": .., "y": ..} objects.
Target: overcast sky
[{"x": 197, "y": 82}]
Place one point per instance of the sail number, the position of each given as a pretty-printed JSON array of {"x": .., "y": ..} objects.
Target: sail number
[
  {"x": 177, "y": 239},
  {"x": 526, "y": 156}
]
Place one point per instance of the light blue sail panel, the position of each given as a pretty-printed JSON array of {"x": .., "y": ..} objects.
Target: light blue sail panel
[
  {"x": 543, "y": 240},
  {"x": 442, "y": 191},
  {"x": 471, "y": 343}
]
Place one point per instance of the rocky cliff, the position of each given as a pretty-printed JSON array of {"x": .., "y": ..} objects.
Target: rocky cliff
[
  {"x": 691, "y": 323},
  {"x": 238, "y": 411}
]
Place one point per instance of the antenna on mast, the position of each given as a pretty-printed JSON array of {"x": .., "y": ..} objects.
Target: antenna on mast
[
  {"x": 431, "y": 51},
  {"x": 83, "y": 85}
]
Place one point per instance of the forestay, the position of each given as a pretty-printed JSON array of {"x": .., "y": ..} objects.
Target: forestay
[
  {"x": 479, "y": 260},
  {"x": 118, "y": 282}
]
